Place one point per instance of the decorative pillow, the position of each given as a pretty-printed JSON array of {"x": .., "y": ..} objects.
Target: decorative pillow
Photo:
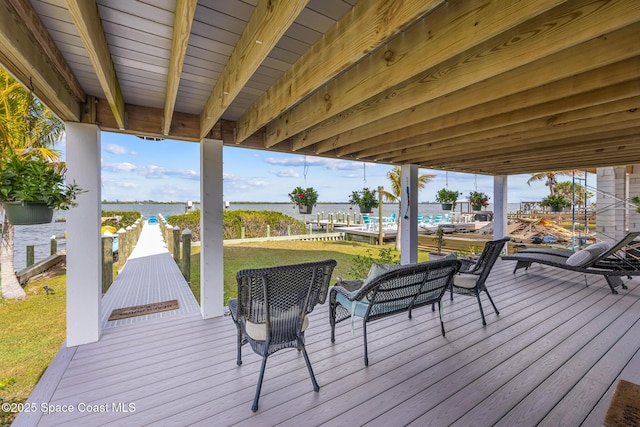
[
  {"x": 378, "y": 270},
  {"x": 588, "y": 254}
]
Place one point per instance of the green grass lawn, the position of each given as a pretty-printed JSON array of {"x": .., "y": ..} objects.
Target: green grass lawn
[{"x": 34, "y": 329}]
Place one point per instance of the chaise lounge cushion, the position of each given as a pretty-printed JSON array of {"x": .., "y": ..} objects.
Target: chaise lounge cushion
[{"x": 588, "y": 254}]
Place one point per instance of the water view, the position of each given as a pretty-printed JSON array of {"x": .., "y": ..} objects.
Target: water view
[{"x": 40, "y": 235}]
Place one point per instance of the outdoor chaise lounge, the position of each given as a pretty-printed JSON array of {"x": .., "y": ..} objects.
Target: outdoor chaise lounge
[
  {"x": 610, "y": 261},
  {"x": 271, "y": 310},
  {"x": 390, "y": 290}
]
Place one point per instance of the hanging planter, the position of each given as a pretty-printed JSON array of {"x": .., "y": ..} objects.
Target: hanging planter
[
  {"x": 366, "y": 200},
  {"x": 447, "y": 198},
  {"x": 305, "y": 210},
  {"x": 31, "y": 188},
  {"x": 476, "y": 207},
  {"x": 28, "y": 213},
  {"x": 304, "y": 198}
]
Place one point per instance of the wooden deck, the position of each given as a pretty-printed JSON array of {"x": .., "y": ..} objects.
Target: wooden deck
[{"x": 553, "y": 357}]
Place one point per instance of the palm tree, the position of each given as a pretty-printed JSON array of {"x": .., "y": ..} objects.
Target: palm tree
[
  {"x": 26, "y": 127},
  {"x": 550, "y": 178},
  {"x": 394, "y": 196}
]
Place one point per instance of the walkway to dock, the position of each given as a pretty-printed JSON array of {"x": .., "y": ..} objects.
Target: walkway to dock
[{"x": 150, "y": 275}]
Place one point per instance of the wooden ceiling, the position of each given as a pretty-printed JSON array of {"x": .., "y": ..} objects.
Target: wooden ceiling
[{"x": 481, "y": 86}]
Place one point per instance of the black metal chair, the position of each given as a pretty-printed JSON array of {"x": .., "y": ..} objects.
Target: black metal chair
[
  {"x": 473, "y": 274},
  {"x": 271, "y": 310}
]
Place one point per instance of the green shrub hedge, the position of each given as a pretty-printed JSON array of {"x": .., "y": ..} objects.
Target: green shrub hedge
[{"x": 254, "y": 222}]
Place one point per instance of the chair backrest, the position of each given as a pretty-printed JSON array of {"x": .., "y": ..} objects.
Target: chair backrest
[
  {"x": 408, "y": 287},
  {"x": 292, "y": 291},
  {"x": 604, "y": 258},
  {"x": 487, "y": 259}
]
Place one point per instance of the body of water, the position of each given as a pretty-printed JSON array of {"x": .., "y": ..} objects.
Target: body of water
[{"x": 40, "y": 235}]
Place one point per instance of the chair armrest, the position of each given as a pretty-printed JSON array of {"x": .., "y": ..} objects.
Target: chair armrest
[{"x": 343, "y": 291}]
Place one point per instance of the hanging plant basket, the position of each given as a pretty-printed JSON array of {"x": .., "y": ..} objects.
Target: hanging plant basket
[
  {"x": 366, "y": 209},
  {"x": 305, "y": 209},
  {"x": 447, "y": 206},
  {"x": 556, "y": 208},
  {"x": 476, "y": 207},
  {"x": 28, "y": 213}
]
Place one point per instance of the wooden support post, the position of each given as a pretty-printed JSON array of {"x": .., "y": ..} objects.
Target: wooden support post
[
  {"x": 54, "y": 246},
  {"x": 288, "y": 230},
  {"x": 130, "y": 241},
  {"x": 122, "y": 246},
  {"x": 31, "y": 258},
  {"x": 242, "y": 232},
  {"x": 107, "y": 262},
  {"x": 268, "y": 230},
  {"x": 176, "y": 243},
  {"x": 185, "y": 266}
]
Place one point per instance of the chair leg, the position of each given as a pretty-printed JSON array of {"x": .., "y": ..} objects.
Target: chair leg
[
  {"x": 491, "y": 300},
  {"x": 316, "y": 387},
  {"x": 332, "y": 320},
  {"x": 239, "y": 356},
  {"x": 441, "y": 322},
  {"x": 364, "y": 333},
  {"x": 484, "y": 322},
  {"x": 254, "y": 408}
]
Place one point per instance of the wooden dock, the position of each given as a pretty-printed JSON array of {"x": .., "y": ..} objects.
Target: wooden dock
[
  {"x": 150, "y": 275},
  {"x": 552, "y": 357}
]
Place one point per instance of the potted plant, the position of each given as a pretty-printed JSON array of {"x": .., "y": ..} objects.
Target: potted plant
[
  {"x": 448, "y": 198},
  {"x": 365, "y": 199},
  {"x": 439, "y": 239},
  {"x": 31, "y": 188},
  {"x": 557, "y": 202},
  {"x": 478, "y": 200},
  {"x": 305, "y": 199}
]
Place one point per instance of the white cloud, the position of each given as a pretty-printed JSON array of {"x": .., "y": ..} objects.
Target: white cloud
[
  {"x": 285, "y": 173},
  {"x": 118, "y": 149}
]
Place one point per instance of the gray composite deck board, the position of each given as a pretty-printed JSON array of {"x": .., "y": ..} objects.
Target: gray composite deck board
[{"x": 552, "y": 357}]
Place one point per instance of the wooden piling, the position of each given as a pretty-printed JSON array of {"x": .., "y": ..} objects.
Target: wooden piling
[
  {"x": 186, "y": 255},
  {"x": 31, "y": 258},
  {"x": 175, "y": 238},
  {"x": 107, "y": 262}
]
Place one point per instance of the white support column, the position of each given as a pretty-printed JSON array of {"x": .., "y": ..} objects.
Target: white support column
[
  {"x": 633, "y": 219},
  {"x": 84, "y": 266},
  {"x": 611, "y": 209},
  {"x": 500, "y": 205},
  {"x": 409, "y": 217},
  {"x": 211, "y": 216}
]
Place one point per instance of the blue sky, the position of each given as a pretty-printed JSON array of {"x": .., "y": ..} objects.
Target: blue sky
[{"x": 136, "y": 169}]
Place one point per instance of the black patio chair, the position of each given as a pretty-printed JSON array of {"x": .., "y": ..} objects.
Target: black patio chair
[
  {"x": 271, "y": 310},
  {"x": 473, "y": 274}
]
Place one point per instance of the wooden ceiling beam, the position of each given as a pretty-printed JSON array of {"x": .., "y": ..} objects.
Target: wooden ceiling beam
[
  {"x": 267, "y": 24},
  {"x": 500, "y": 60},
  {"x": 544, "y": 149},
  {"x": 446, "y": 32},
  {"x": 549, "y": 115},
  {"x": 183, "y": 19},
  {"x": 35, "y": 61},
  {"x": 363, "y": 29},
  {"x": 606, "y": 84},
  {"x": 89, "y": 25}
]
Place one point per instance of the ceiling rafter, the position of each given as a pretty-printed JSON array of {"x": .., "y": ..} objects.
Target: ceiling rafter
[
  {"x": 268, "y": 23},
  {"x": 185, "y": 10},
  {"x": 89, "y": 25},
  {"x": 501, "y": 93},
  {"x": 447, "y": 32},
  {"x": 369, "y": 24},
  {"x": 498, "y": 115},
  {"x": 33, "y": 60},
  {"x": 500, "y": 62}
]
